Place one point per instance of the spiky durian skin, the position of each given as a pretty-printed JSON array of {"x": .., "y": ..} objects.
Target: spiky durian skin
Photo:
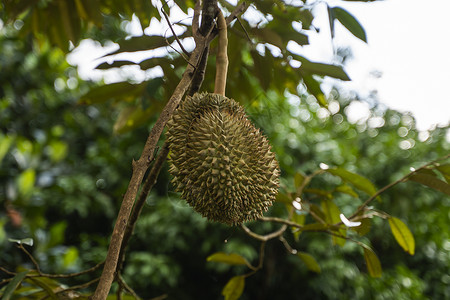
[{"x": 221, "y": 164}]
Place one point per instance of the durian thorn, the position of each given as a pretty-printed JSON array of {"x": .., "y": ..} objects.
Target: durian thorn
[{"x": 221, "y": 58}]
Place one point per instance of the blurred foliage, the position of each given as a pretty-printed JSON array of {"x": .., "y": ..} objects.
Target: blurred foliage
[{"x": 63, "y": 171}]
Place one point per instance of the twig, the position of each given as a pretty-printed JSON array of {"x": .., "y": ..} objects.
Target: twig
[
  {"x": 128, "y": 288},
  {"x": 35, "y": 263},
  {"x": 174, "y": 34},
  {"x": 245, "y": 30},
  {"x": 287, "y": 246},
  {"x": 97, "y": 266},
  {"x": 264, "y": 238},
  {"x": 79, "y": 287},
  {"x": 7, "y": 271},
  {"x": 236, "y": 12},
  {"x": 261, "y": 260},
  {"x": 280, "y": 220}
]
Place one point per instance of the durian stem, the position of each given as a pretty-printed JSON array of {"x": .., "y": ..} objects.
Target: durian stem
[{"x": 222, "y": 57}]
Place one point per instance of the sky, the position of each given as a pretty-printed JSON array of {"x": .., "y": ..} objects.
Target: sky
[
  {"x": 408, "y": 44},
  {"x": 408, "y": 48}
]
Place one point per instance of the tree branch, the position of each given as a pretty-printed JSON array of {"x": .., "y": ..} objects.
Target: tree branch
[
  {"x": 209, "y": 11},
  {"x": 199, "y": 74},
  {"x": 148, "y": 185},
  {"x": 139, "y": 169}
]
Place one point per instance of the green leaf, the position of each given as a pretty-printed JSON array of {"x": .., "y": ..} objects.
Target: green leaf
[
  {"x": 349, "y": 22},
  {"x": 314, "y": 227},
  {"x": 234, "y": 288},
  {"x": 364, "y": 228},
  {"x": 13, "y": 285},
  {"x": 331, "y": 18},
  {"x": 5, "y": 143},
  {"x": 70, "y": 256},
  {"x": 57, "y": 234},
  {"x": 346, "y": 189},
  {"x": 444, "y": 169},
  {"x": 373, "y": 263},
  {"x": 283, "y": 198},
  {"x": 230, "y": 259},
  {"x": 332, "y": 213},
  {"x": 313, "y": 87},
  {"x": 57, "y": 150},
  {"x": 360, "y": 182},
  {"x": 91, "y": 11},
  {"x": 145, "y": 42},
  {"x": 119, "y": 90},
  {"x": 402, "y": 234},
  {"x": 130, "y": 118},
  {"x": 43, "y": 282},
  {"x": 115, "y": 64},
  {"x": 299, "y": 178},
  {"x": 319, "y": 192},
  {"x": 261, "y": 69},
  {"x": 25, "y": 182},
  {"x": 317, "y": 211},
  {"x": 322, "y": 69},
  {"x": 300, "y": 220},
  {"x": 309, "y": 261},
  {"x": 306, "y": 18},
  {"x": 268, "y": 35},
  {"x": 431, "y": 181}
]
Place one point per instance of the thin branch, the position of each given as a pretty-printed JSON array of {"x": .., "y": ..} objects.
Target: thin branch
[
  {"x": 261, "y": 260},
  {"x": 236, "y": 12},
  {"x": 173, "y": 32},
  {"x": 128, "y": 288},
  {"x": 35, "y": 263},
  {"x": 264, "y": 238},
  {"x": 4, "y": 270},
  {"x": 97, "y": 266},
  {"x": 137, "y": 209},
  {"x": 80, "y": 286},
  {"x": 385, "y": 188},
  {"x": 280, "y": 220},
  {"x": 287, "y": 246},
  {"x": 245, "y": 30}
]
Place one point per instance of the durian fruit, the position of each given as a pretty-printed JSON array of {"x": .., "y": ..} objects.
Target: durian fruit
[{"x": 221, "y": 164}]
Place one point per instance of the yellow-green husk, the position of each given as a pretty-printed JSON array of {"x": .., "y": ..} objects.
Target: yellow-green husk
[{"x": 221, "y": 164}]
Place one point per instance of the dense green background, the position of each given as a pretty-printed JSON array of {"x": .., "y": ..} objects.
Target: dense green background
[{"x": 64, "y": 169}]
